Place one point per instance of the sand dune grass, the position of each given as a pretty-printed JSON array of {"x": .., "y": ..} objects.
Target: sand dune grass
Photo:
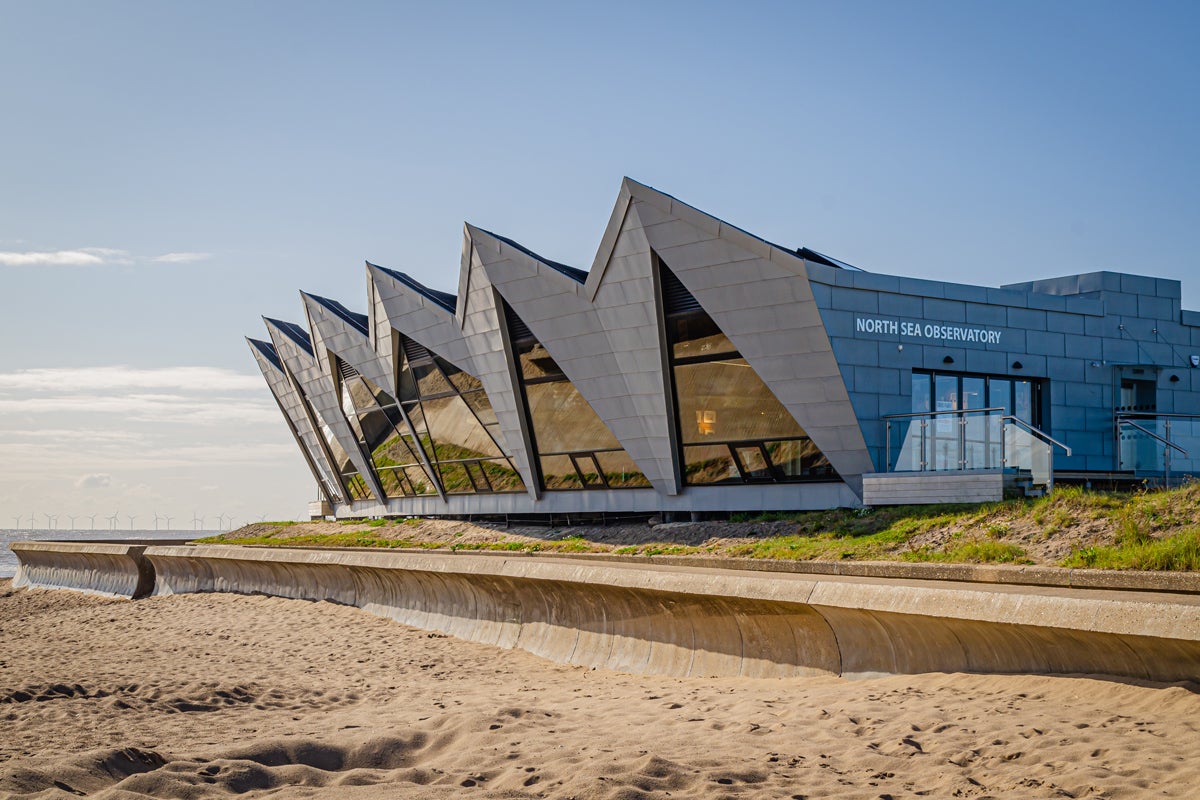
[{"x": 1073, "y": 527}]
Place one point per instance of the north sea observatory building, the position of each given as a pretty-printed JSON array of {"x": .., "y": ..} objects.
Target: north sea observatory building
[{"x": 696, "y": 368}]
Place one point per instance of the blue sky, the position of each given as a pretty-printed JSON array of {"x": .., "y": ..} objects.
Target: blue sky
[{"x": 171, "y": 171}]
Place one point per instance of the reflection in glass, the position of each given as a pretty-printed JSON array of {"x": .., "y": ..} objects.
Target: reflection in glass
[
  {"x": 709, "y": 464},
  {"x": 619, "y": 470},
  {"x": 379, "y": 427},
  {"x": 563, "y": 421},
  {"x": 725, "y": 401},
  {"x": 454, "y": 424},
  {"x": 921, "y": 398},
  {"x": 754, "y": 462},
  {"x": 558, "y": 472},
  {"x": 576, "y": 450},
  {"x": 732, "y": 427}
]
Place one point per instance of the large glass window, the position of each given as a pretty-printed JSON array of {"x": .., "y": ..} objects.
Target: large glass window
[
  {"x": 575, "y": 449},
  {"x": 377, "y": 422},
  {"x": 732, "y": 429},
  {"x": 1018, "y": 397},
  {"x": 453, "y": 421}
]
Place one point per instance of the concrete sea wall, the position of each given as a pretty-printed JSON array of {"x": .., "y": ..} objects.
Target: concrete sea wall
[
  {"x": 117, "y": 570},
  {"x": 690, "y": 619}
]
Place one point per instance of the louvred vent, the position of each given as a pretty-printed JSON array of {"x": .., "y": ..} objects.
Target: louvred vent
[
  {"x": 414, "y": 351},
  {"x": 517, "y": 330},
  {"x": 676, "y": 298},
  {"x": 348, "y": 372}
]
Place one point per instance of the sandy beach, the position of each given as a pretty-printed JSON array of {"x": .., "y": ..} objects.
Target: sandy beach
[{"x": 201, "y": 696}]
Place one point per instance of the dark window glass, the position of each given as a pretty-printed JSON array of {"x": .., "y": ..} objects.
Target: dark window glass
[
  {"x": 1018, "y": 397},
  {"x": 1023, "y": 401},
  {"x": 1000, "y": 394},
  {"x": 945, "y": 392},
  {"x": 920, "y": 393},
  {"x": 973, "y": 392}
]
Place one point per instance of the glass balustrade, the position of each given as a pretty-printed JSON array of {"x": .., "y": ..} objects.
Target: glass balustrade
[
  {"x": 968, "y": 440},
  {"x": 1165, "y": 446}
]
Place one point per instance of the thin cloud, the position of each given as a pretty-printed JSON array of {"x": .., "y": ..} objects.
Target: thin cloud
[
  {"x": 121, "y": 377},
  {"x": 82, "y": 257},
  {"x": 93, "y": 481},
  {"x": 181, "y": 258},
  {"x": 150, "y": 408}
]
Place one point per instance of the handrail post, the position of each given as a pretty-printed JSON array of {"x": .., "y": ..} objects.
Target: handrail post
[
  {"x": 1167, "y": 453},
  {"x": 887, "y": 467},
  {"x": 1050, "y": 466},
  {"x": 962, "y": 440},
  {"x": 924, "y": 455}
]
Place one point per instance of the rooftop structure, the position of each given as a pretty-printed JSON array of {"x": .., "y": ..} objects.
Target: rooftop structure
[{"x": 697, "y": 368}]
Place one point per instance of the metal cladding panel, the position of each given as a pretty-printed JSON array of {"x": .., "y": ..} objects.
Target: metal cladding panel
[
  {"x": 290, "y": 404},
  {"x": 350, "y": 344},
  {"x": 314, "y": 379},
  {"x": 473, "y": 342},
  {"x": 786, "y": 349},
  {"x": 579, "y": 334}
]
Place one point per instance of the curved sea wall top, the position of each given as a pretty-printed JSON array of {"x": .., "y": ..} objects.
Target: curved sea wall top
[{"x": 689, "y": 619}]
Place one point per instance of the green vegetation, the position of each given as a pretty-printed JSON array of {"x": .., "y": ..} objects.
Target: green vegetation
[
  {"x": 1147, "y": 530},
  {"x": 1176, "y": 552},
  {"x": 977, "y": 551}
]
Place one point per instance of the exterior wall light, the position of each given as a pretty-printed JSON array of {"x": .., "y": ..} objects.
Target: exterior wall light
[
  {"x": 1018, "y": 365},
  {"x": 947, "y": 360},
  {"x": 1174, "y": 379}
]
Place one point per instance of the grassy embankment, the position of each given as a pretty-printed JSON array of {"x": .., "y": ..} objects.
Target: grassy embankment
[{"x": 1152, "y": 530}]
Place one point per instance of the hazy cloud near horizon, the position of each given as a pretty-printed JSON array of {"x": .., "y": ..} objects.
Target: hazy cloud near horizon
[
  {"x": 93, "y": 257},
  {"x": 112, "y": 427}
]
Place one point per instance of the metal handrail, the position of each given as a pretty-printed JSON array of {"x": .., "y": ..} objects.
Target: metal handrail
[
  {"x": 1120, "y": 414},
  {"x": 961, "y": 413},
  {"x": 1154, "y": 435},
  {"x": 1037, "y": 432},
  {"x": 1166, "y": 450},
  {"x": 947, "y": 411}
]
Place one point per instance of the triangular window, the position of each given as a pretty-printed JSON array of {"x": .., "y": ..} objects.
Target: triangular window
[{"x": 731, "y": 428}]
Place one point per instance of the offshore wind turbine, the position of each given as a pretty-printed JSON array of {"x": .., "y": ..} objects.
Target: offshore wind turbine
[
  {"x": 168, "y": 519},
  {"x": 132, "y": 517},
  {"x": 92, "y": 517},
  {"x": 112, "y": 521},
  {"x": 197, "y": 521},
  {"x": 156, "y": 519}
]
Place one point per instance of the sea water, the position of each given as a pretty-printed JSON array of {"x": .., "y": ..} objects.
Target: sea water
[{"x": 8, "y": 559}]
